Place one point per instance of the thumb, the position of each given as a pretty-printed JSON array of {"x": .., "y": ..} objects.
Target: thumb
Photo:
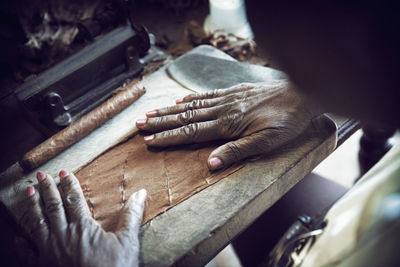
[
  {"x": 234, "y": 151},
  {"x": 131, "y": 218}
]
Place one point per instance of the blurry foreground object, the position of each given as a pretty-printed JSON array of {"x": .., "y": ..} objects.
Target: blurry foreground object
[{"x": 228, "y": 16}]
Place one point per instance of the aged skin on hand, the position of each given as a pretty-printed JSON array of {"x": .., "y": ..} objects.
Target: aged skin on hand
[
  {"x": 61, "y": 228},
  {"x": 257, "y": 118}
]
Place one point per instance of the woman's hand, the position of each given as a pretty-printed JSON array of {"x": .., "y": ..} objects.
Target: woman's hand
[
  {"x": 257, "y": 117},
  {"x": 60, "y": 225}
]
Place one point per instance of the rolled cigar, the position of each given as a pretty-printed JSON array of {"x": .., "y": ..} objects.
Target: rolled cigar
[{"x": 81, "y": 128}]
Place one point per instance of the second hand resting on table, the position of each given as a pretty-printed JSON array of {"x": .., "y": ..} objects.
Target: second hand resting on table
[
  {"x": 257, "y": 118},
  {"x": 60, "y": 226}
]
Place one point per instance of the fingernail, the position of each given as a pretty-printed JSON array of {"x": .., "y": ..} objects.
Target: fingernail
[
  {"x": 141, "y": 196},
  {"x": 31, "y": 191},
  {"x": 215, "y": 163},
  {"x": 63, "y": 174},
  {"x": 141, "y": 122},
  {"x": 41, "y": 176},
  {"x": 152, "y": 113},
  {"x": 149, "y": 137},
  {"x": 179, "y": 101}
]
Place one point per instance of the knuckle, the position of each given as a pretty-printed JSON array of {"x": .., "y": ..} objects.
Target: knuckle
[
  {"x": 167, "y": 110},
  {"x": 245, "y": 95},
  {"x": 201, "y": 103},
  {"x": 186, "y": 117},
  {"x": 188, "y": 106},
  {"x": 159, "y": 120},
  {"x": 212, "y": 93},
  {"x": 190, "y": 130},
  {"x": 166, "y": 134},
  {"x": 72, "y": 199},
  {"x": 68, "y": 183},
  {"x": 53, "y": 206},
  {"x": 195, "y": 104}
]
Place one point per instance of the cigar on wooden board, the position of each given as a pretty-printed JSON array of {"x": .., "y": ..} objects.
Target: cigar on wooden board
[{"x": 81, "y": 128}]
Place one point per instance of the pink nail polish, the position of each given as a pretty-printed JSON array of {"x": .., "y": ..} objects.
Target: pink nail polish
[
  {"x": 215, "y": 163},
  {"x": 41, "y": 176},
  {"x": 152, "y": 113},
  {"x": 63, "y": 174},
  {"x": 141, "y": 122},
  {"x": 179, "y": 101},
  {"x": 141, "y": 196},
  {"x": 149, "y": 137},
  {"x": 31, "y": 191}
]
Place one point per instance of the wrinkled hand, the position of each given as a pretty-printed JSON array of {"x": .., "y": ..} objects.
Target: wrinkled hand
[
  {"x": 60, "y": 225},
  {"x": 259, "y": 117}
]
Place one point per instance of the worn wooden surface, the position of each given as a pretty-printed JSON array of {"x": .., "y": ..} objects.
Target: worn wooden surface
[{"x": 192, "y": 232}]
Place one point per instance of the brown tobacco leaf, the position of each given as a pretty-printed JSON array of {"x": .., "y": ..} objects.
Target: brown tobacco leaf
[{"x": 169, "y": 176}]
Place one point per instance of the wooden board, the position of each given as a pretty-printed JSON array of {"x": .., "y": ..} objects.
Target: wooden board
[{"x": 195, "y": 230}]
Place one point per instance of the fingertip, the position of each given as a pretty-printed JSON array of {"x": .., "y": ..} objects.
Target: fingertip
[
  {"x": 141, "y": 122},
  {"x": 31, "y": 191},
  {"x": 40, "y": 176},
  {"x": 179, "y": 101},
  {"x": 152, "y": 113},
  {"x": 148, "y": 138},
  {"x": 63, "y": 174},
  {"x": 215, "y": 163},
  {"x": 140, "y": 196}
]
